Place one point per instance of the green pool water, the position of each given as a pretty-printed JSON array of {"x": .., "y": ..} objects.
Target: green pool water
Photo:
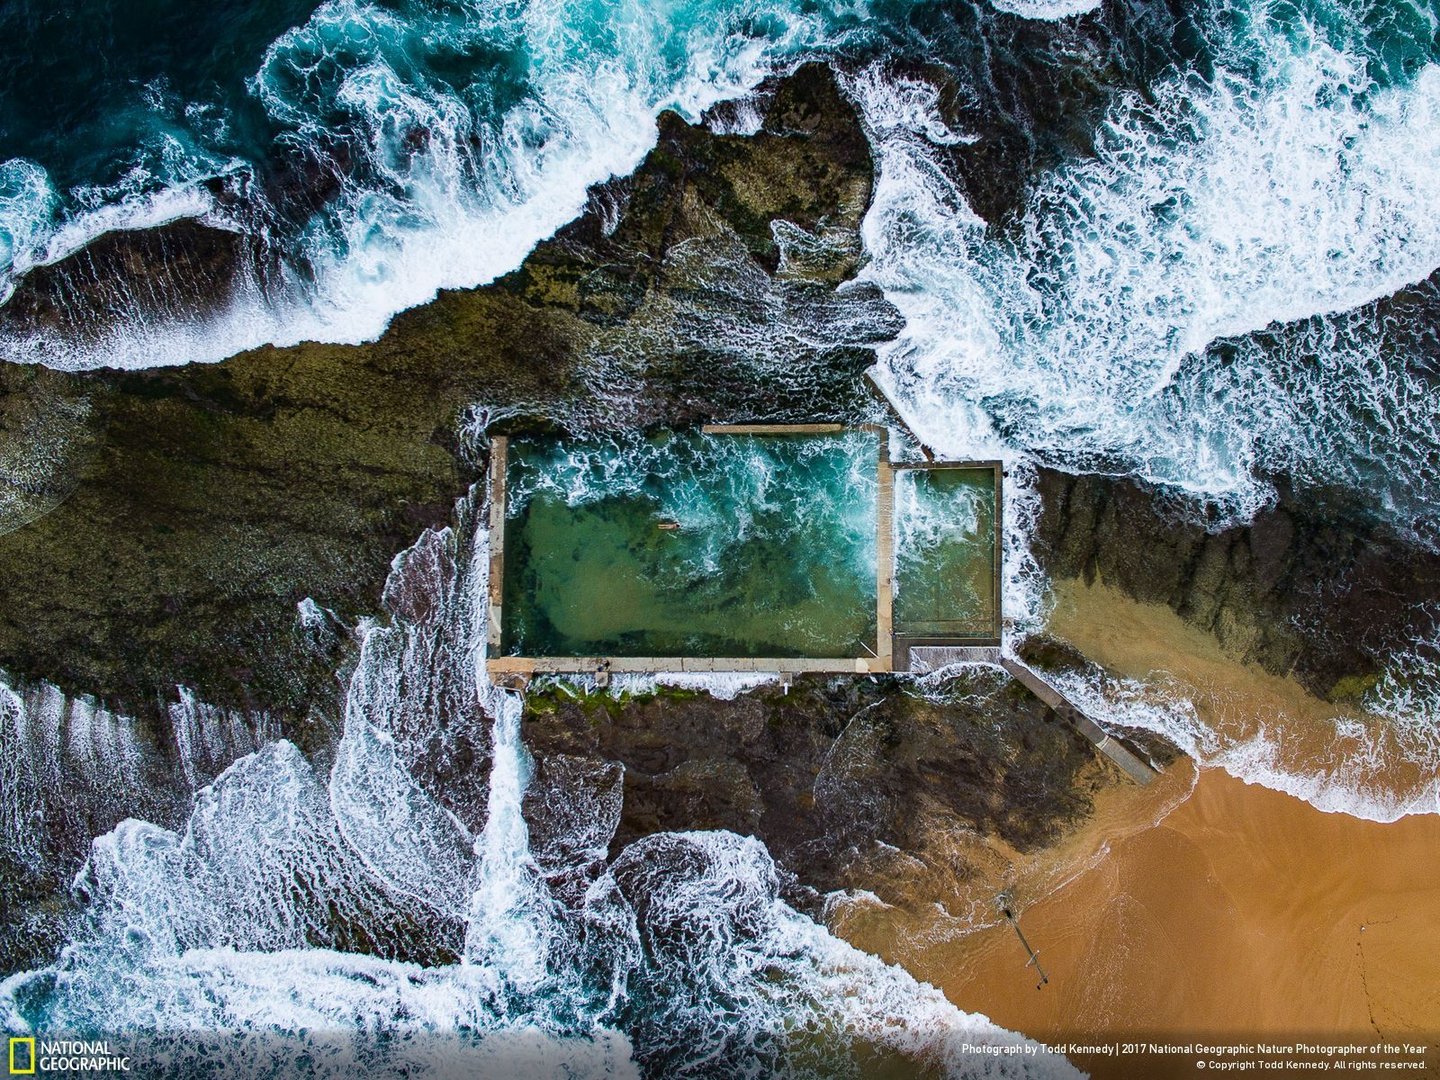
[
  {"x": 945, "y": 583},
  {"x": 774, "y": 555}
]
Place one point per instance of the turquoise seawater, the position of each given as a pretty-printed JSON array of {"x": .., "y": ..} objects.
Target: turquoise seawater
[
  {"x": 946, "y": 585},
  {"x": 1190, "y": 243},
  {"x": 692, "y": 545}
]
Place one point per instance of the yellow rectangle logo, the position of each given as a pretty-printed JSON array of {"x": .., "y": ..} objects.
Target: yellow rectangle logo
[{"x": 28, "y": 1042}]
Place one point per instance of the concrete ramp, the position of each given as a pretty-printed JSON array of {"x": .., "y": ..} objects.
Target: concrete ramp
[{"x": 1129, "y": 762}]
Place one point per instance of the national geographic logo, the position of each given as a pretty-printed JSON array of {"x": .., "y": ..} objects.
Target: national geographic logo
[{"x": 29, "y": 1056}]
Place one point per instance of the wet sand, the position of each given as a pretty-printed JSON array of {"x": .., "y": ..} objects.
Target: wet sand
[
  {"x": 1336, "y": 755},
  {"x": 1201, "y": 907},
  {"x": 1244, "y": 914}
]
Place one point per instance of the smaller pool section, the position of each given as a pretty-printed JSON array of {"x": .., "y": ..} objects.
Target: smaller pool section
[
  {"x": 946, "y": 545},
  {"x": 692, "y": 545}
]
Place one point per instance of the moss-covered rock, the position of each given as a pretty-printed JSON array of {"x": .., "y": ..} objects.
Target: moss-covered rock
[
  {"x": 184, "y": 512},
  {"x": 1311, "y": 587}
]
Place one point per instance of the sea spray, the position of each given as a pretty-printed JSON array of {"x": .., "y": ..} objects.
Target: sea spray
[
  {"x": 1211, "y": 208},
  {"x": 410, "y": 705},
  {"x": 73, "y": 768},
  {"x": 316, "y": 926},
  {"x": 441, "y": 143},
  {"x": 510, "y": 921},
  {"x": 208, "y": 738}
]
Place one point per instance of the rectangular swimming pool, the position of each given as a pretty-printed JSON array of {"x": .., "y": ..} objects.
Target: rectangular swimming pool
[
  {"x": 739, "y": 544},
  {"x": 692, "y": 544},
  {"x": 947, "y": 561}
]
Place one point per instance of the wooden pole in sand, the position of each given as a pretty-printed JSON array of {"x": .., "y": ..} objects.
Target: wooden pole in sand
[{"x": 1034, "y": 956}]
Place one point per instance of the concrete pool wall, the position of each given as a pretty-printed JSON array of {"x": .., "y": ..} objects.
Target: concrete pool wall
[{"x": 891, "y": 650}]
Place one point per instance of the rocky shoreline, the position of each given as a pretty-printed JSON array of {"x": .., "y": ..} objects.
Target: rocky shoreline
[
  {"x": 848, "y": 782},
  {"x": 188, "y": 511},
  {"x": 223, "y": 528}
]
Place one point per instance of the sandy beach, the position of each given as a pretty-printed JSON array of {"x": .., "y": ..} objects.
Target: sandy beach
[
  {"x": 1201, "y": 907},
  {"x": 1245, "y": 914}
]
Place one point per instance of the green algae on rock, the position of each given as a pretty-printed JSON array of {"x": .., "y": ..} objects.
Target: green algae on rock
[{"x": 189, "y": 510}]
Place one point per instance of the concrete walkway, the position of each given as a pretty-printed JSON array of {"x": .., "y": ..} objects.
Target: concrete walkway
[
  {"x": 885, "y": 558},
  {"x": 1130, "y": 763}
]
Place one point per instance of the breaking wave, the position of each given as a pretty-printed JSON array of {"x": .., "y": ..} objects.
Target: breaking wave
[
  {"x": 1290, "y": 184},
  {"x": 371, "y": 919},
  {"x": 418, "y": 146}
]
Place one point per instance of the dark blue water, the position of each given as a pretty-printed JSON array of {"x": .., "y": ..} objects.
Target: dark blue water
[
  {"x": 94, "y": 88},
  {"x": 379, "y": 150}
]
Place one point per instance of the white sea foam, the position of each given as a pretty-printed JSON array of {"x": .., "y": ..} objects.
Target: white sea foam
[
  {"x": 1210, "y": 210},
  {"x": 67, "y": 764},
  {"x": 903, "y": 108},
  {"x": 714, "y": 920},
  {"x": 208, "y": 738},
  {"x": 243, "y": 922},
  {"x": 726, "y": 686},
  {"x": 1078, "y": 333},
  {"x": 1049, "y": 10},
  {"x": 925, "y": 517},
  {"x": 408, "y": 675},
  {"x": 316, "y": 1012},
  {"x": 1408, "y": 694},
  {"x": 512, "y": 925},
  {"x": 29, "y": 203},
  {"x": 1023, "y": 584},
  {"x": 722, "y": 491},
  {"x": 1357, "y": 770},
  {"x": 722, "y": 685},
  {"x": 447, "y": 192},
  {"x": 130, "y": 334}
]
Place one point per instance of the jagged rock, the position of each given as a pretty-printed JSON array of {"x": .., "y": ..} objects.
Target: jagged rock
[
  {"x": 184, "y": 270},
  {"x": 191, "y": 509},
  {"x": 834, "y": 775},
  {"x": 1308, "y": 588}
]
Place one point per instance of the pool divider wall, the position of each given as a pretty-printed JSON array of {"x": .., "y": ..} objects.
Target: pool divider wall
[
  {"x": 887, "y": 654},
  {"x": 885, "y": 557},
  {"x": 499, "y": 461},
  {"x": 779, "y": 429}
]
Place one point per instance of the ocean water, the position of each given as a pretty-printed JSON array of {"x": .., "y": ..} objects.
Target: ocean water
[
  {"x": 945, "y": 553},
  {"x": 1210, "y": 266},
  {"x": 315, "y": 924},
  {"x": 375, "y": 151},
  {"x": 1190, "y": 302},
  {"x": 1232, "y": 283}
]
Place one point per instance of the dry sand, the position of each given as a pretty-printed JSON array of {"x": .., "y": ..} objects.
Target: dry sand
[
  {"x": 1244, "y": 914},
  {"x": 1201, "y": 907}
]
